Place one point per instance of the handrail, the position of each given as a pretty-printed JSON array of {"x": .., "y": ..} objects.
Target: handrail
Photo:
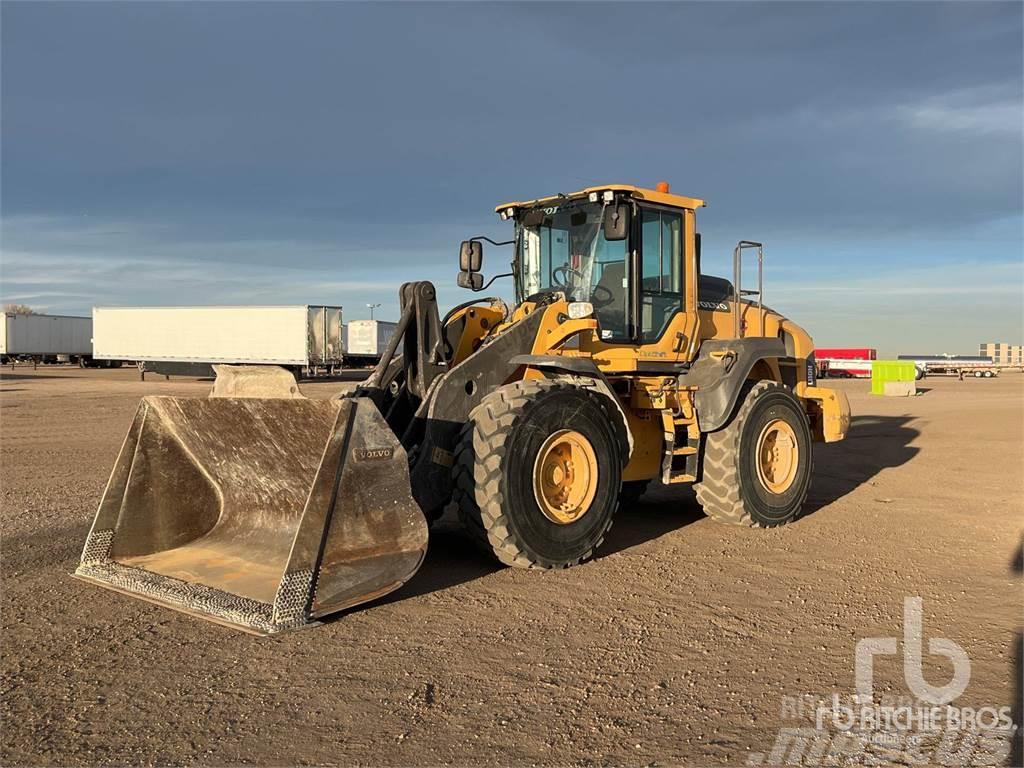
[{"x": 738, "y": 293}]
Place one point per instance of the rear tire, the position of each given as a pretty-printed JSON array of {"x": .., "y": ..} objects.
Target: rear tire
[
  {"x": 742, "y": 483},
  {"x": 499, "y": 460}
]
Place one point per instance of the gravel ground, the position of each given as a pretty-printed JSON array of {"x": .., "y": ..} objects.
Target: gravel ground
[{"x": 679, "y": 644}]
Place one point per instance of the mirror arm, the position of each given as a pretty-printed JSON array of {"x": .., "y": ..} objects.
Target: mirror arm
[
  {"x": 492, "y": 242},
  {"x": 485, "y": 287}
]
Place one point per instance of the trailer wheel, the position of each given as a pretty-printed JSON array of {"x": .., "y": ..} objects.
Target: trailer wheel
[
  {"x": 538, "y": 473},
  {"x": 757, "y": 469},
  {"x": 988, "y": 374}
]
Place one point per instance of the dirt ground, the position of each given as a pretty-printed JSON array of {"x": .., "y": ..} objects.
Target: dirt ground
[{"x": 679, "y": 644}]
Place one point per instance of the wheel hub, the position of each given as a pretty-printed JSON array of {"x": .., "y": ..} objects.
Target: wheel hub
[
  {"x": 778, "y": 456},
  {"x": 565, "y": 476}
]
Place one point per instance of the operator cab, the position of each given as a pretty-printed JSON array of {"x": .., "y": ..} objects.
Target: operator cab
[
  {"x": 583, "y": 248},
  {"x": 620, "y": 248}
]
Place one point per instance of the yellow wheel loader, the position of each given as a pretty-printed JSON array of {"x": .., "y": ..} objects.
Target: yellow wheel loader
[{"x": 620, "y": 364}]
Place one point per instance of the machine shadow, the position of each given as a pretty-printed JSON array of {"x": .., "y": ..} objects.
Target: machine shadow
[
  {"x": 661, "y": 510},
  {"x": 453, "y": 559},
  {"x": 873, "y": 443}
]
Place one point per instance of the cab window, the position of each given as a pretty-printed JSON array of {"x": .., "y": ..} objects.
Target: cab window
[
  {"x": 562, "y": 248},
  {"x": 661, "y": 271}
]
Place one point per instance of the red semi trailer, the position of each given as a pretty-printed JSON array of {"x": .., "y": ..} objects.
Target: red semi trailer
[
  {"x": 845, "y": 353},
  {"x": 844, "y": 362}
]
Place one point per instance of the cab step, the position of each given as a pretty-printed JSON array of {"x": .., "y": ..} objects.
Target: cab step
[{"x": 679, "y": 461}]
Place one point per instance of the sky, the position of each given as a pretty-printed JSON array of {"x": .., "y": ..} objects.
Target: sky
[{"x": 308, "y": 153}]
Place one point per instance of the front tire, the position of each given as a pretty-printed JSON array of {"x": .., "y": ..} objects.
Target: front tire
[
  {"x": 538, "y": 473},
  {"x": 757, "y": 469}
]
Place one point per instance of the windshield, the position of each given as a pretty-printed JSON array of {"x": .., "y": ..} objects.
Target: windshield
[{"x": 562, "y": 248}]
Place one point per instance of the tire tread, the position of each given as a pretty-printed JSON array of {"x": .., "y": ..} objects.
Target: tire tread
[
  {"x": 478, "y": 465},
  {"x": 718, "y": 492}
]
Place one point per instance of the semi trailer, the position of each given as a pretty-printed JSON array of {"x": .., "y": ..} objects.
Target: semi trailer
[
  {"x": 189, "y": 341},
  {"x": 45, "y": 338},
  {"x": 845, "y": 362},
  {"x": 366, "y": 340},
  {"x": 977, "y": 366}
]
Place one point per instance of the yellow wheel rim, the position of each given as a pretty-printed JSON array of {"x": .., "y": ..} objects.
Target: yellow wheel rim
[
  {"x": 778, "y": 456},
  {"x": 565, "y": 476}
]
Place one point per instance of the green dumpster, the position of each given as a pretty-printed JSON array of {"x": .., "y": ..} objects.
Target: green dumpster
[{"x": 893, "y": 377}]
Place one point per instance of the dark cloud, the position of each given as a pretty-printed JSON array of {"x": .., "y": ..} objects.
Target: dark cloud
[{"x": 364, "y": 129}]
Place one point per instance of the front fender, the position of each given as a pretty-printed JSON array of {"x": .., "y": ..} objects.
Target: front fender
[{"x": 587, "y": 374}]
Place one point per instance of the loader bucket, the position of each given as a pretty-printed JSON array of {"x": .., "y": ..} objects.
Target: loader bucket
[{"x": 262, "y": 513}]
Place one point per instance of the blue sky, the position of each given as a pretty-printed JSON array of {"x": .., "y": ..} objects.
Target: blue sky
[{"x": 194, "y": 153}]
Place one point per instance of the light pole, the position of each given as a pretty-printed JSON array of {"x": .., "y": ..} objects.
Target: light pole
[{"x": 372, "y": 307}]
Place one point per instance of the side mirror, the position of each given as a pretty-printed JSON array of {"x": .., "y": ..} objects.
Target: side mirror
[
  {"x": 471, "y": 256},
  {"x": 616, "y": 221},
  {"x": 472, "y": 280}
]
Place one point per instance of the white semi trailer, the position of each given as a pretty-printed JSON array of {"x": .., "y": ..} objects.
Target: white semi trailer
[
  {"x": 954, "y": 365},
  {"x": 365, "y": 340},
  {"x": 45, "y": 338},
  {"x": 188, "y": 340}
]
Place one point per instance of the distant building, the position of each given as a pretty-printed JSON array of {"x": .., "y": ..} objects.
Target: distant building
[{"x": 1003, "y": 354}]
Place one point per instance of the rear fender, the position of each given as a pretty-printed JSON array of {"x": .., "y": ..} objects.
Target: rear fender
[
  {"x": 720, "y": 371},
  {"x": 828, "y": 411}
]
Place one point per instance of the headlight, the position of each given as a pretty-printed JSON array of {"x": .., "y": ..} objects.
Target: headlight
[{"x": 580, "y": 309}]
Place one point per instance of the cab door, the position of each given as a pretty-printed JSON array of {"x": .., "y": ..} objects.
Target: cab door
[{"x": 666, "y": 286}]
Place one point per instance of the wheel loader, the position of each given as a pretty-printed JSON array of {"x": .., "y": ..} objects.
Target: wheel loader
[{"x": 620, "y": 364}]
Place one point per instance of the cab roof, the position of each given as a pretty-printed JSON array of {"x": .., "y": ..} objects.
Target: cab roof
[{"x": 639, "y": 193}]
